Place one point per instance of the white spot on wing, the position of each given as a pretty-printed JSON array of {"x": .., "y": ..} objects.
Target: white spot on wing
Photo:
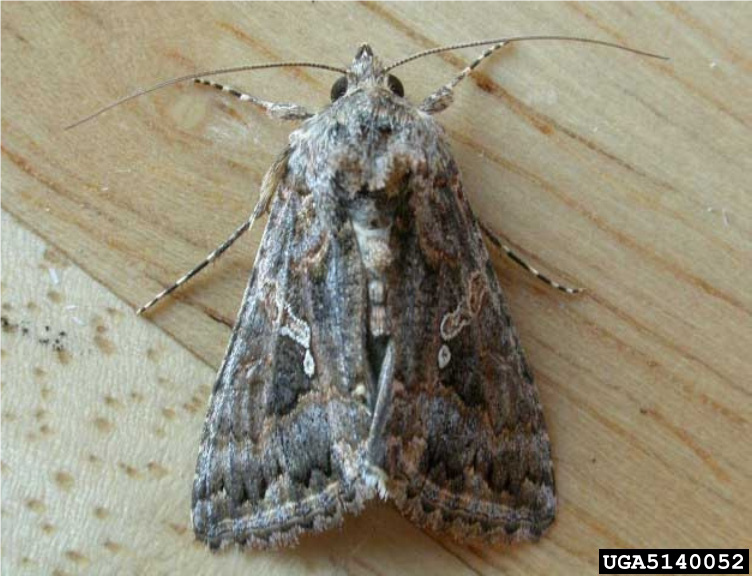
[
  {"x": 444, "y": 356},
  {"x": 309, "y": 366},
  {"x": 360, "y": 391},
  {"x": 299, "y": 331}
]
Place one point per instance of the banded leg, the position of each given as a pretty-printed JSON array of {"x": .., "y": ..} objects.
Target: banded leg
[
  {"x": 280, "y": 110},
  {"x": 208, "y": 260},
  {"x": 442, "y": 98},
  {"x": 496, "y": 241}
]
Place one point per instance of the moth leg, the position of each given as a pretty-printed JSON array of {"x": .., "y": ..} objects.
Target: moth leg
[
  {"x": 280, "y": 110},
  {"x": 443, "y": 97},
  {"x": 376, "y": 449},
  {"x": 208, "y": 260},
  {"x": 496, "y": 241},
  {"x": 268, "y": 188}
]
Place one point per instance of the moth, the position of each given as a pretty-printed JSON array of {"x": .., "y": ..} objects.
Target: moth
[{"x": 374, "y": 354}]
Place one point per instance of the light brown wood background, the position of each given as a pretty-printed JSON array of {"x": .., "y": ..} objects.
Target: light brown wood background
[{"x": 625, "y": 175}]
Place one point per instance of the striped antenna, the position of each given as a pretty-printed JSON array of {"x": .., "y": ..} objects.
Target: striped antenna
[
  {"x": 511, "y": 39},
  {"x": 197, "y": 75}
]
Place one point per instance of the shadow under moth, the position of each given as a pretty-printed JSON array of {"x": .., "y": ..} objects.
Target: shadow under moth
[{"x": 374, "y": 354}]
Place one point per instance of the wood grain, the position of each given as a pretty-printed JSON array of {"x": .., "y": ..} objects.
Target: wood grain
[{"x": 624, "y": 175}]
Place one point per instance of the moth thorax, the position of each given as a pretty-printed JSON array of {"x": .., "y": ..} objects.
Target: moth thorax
[{"x": 373, "y": 244}]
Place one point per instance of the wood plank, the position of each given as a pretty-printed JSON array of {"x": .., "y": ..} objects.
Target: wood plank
[{"x": 624, "y": 175}]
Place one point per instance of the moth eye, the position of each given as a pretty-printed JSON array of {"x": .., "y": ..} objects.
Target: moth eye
[
  {"x": 339, "y": 88},
  {"x": 395, "y": 85}
]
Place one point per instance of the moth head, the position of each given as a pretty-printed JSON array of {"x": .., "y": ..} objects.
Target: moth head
[{"x": 366, "y": 71}]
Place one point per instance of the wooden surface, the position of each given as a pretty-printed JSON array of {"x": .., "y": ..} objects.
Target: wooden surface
[{"x": 624, "y": 175}]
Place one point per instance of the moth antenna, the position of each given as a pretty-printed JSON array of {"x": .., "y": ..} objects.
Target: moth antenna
[
  {"x": 217, "y": 72},
  {"x": 511, "y": 39}
]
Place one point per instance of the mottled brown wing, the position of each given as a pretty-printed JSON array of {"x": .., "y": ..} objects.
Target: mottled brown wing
[
  {"x": 467, "y": 447},
  {"x": 283, "y": 435}
]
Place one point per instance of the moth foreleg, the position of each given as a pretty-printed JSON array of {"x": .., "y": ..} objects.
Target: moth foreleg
[
  {"x": 281, "y": 110},
  {"x": 374, "y": 475},
  {"x": 208, "y": 260},
  {"x": 496, "y": 241},
  {"x": 442, "y": 98}
]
